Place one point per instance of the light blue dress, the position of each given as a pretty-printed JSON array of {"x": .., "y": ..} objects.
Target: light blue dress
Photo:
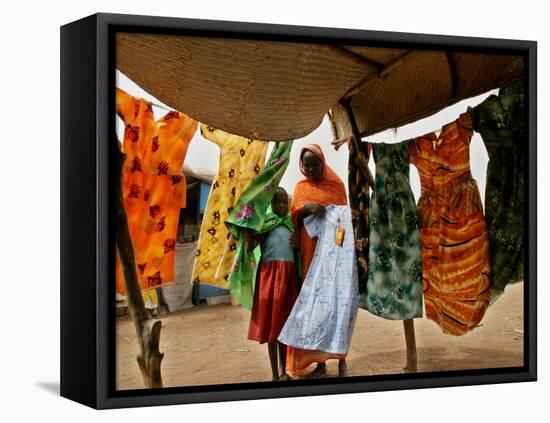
[{"x": 324, "y": 314}]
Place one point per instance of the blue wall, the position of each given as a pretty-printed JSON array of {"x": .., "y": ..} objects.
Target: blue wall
[{"x": 205, "y": 190}]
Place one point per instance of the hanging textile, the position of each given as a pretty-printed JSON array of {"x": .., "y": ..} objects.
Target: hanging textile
[
  {"x": 359, "y": 202},
  {"x": 455, "y": 244},
  {"x": 324, "y": 313},
  {"x": 394, "y": 288},
  {"x": 501, "y": 121},
  {"x": 241, "y": 160},
  {"x": 153, "y": 186},
  {"x": 250, "y": 213}
]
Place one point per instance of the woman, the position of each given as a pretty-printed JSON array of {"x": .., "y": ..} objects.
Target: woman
[{"x": 320, "y": 188}]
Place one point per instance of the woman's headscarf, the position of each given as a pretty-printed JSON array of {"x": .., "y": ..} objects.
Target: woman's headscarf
[{"x": 328, "y": 189}]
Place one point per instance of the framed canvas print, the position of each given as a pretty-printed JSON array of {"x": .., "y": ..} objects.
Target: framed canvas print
[{"x": 260, "y": 211}]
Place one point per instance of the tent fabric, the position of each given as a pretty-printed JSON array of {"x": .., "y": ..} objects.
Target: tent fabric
[
  {"x": 270, "y": 90},
  {"x": 424, "y": 83},
  {"x": 178, "y": 295},
  {"x": 204, "y": 175},
  {"x": 262, "y": 90}
]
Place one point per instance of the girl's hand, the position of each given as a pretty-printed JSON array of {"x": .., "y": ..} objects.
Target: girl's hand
[
  {"x": 292, "y": 240},
  {"x": 248, "y": 240}
]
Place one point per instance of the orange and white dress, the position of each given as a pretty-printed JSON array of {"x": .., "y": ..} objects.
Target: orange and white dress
[
  {"x": 455, "y": 244},
  {"x": 153, "y": 187},
  {"x": 241, "y": 159}
]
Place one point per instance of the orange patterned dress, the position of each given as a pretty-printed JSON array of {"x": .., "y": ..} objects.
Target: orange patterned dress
[
  {"x": 455, "y": 243},
  {"x": 153, "y": 186}
]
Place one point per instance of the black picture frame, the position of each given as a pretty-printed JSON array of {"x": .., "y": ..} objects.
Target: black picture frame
[{"x": 87, "y": 242}]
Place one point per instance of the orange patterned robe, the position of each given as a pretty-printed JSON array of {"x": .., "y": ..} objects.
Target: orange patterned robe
[
  {"x": 455, "y": 243},
  {"x": 153, "y": 186}
]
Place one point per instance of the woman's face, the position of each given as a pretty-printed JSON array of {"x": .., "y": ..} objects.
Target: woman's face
[
  {"x": 313, "y": 167},
  {"x": 279, "y": 204}
]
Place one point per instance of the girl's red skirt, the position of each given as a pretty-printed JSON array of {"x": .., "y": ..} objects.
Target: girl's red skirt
[{"x": 274, "y": 295}]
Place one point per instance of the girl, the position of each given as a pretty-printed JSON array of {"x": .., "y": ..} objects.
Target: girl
[
  {"x": 262, "y": 210},
  {"x": 276, "y": 282}
]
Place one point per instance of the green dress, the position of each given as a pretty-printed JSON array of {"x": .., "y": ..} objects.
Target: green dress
[
  {"x": 500, "y": 120},
  {"x": 394, "y": 285},
  {"x": 251, "y": 212}
]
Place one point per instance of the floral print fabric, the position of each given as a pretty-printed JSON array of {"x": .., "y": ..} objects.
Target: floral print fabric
[
  {"x": 324, "y": 313},
  {"x": 241, "y": 160},
  {"x": 153, "y": 186},
  {"x": 455, "y": 244},
  {"x": 501, "y": 122},
  {"x": 394, "y": 287}
]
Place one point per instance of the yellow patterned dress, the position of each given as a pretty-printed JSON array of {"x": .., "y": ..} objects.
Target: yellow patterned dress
[{"x": 241, "y": 159}]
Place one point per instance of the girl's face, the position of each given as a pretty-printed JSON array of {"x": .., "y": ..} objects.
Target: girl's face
[
  {"x": 279, "y": 204},
  {"x": 313, "y": 167}
]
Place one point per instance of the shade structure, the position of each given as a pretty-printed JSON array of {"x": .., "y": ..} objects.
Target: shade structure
[
  {"x": 272, "y": 90},
  {"x": 257, "y": 89},
  {"x": 419, "y": 83}
]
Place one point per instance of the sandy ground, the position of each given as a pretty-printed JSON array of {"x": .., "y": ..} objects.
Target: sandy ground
[{"x": 207, "y": 345}]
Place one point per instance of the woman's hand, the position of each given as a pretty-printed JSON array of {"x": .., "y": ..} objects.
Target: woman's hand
[
  {"x": 310, "y": 209},
  {"x": 292, "y": 240},
  {"x": 314, "y": 209}
]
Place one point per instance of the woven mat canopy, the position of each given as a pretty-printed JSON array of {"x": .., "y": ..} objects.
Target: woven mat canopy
[
  {"x": 278, "y": 90},
  {"x": 416, "y": 84}
]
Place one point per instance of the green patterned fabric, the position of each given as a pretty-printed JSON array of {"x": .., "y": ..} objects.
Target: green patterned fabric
[
  {"x": 253, "y": 212},
  {"x": 394, "y": 285},
  {"x": 501, "y": 122}
]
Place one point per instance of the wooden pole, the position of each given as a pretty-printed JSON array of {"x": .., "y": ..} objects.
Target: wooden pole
[
  {"x": 410, "y": 340},
  {"x": 149, "y": 357},
  {"x": 382, "y": 73},
  {"x": 346, "y": 104}
]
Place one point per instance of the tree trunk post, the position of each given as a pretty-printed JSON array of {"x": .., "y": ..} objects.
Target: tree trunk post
[
  {"x": 410, "y": 340},
  {"x": 356, "y": 135},
  {"x": 149, "y": 357}
]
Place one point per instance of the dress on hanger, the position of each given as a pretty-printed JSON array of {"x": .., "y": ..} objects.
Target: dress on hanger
[
  {"x": 394, "y": 287},
  {"x": 241, "y": 160},
  {"x": 455, "y": 244},
  {"x": 153, "y": 186},
  {"x": 501, "y": 122}
]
